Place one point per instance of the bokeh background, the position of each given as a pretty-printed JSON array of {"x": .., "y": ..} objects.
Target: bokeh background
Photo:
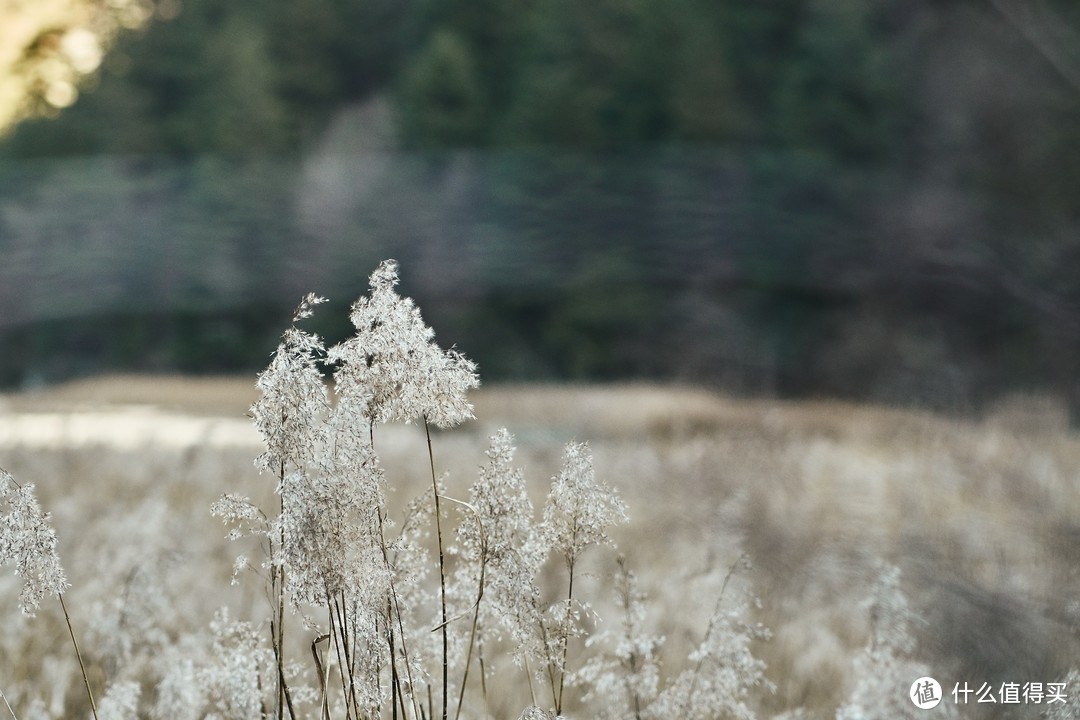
[
  {"x": 721, "y": 240},
  {"x": 871, "y": 199}
]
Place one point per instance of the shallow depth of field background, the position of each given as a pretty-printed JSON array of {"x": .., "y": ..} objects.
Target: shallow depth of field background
[
  {"x": 802, "y": 272},
  {"x": 980, "y": 515}
]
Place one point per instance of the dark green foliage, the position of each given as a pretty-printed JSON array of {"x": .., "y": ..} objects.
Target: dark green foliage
[
  {"x": 791, "y": 195},
  {"x": 842, "y": 90},
  {"x": 441, "y": 101},
  {"x": 235, "y": 78}
]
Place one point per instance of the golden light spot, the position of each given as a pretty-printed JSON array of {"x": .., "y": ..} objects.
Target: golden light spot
[
  {"x": 50, "y": 48},
  {"x": 82, "y": 49},
  {"x": 134, "y": 15},
  {"x": 61, "y": 94}
]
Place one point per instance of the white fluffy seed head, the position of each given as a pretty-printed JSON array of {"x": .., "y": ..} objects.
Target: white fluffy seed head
[
  {"x": 502, "y": 505},
  {"x": 394, "y": 355},
  {"x": 121, "y": 701},
  {"x": 580, "y": 508},
  {"x": 28, "y": 541},
  {"x": 293, "y": 399}
]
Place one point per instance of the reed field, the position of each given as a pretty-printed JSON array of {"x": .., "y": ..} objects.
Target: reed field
[{"x": 619, "y": 551}]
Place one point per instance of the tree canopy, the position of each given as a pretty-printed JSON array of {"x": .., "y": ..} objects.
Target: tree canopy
[{"x": 793, "y": 175}]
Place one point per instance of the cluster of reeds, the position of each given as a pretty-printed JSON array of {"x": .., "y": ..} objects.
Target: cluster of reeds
[
  {"x": 385, "y": 641},
  {"x": 425, "y": 616}
]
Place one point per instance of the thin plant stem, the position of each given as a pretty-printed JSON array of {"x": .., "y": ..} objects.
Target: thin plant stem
[
  {"x": 335, "y": 636},
  {"x": 396, "y": 605},
  {"x": 82, "y": 667},
  {"x": 529, "y": 677},
  {"x": 468, "y": 655},
  {"x": 442, "y": 576},
  {"x": 7, "y": 705},
  {"x": 278, "y": 633},
  {"x": 476, "y": 607},
  {"x": 401, "y": 635},
  {"x": 342, "y": 647},
  {"x": 712, "y": 626},
  {"x": 283, "y": 685},
  {"x": 483, "y": 674},
  {"x": 259, "y": 688},
  {"x": 550, "y": 661},
  {"x": 565, "y": 639},
  {"x": 350, "y": 654},
  {"x": 322, "y": 678},
  {"x": 628, "y": 629},
  {"x": 395, "y": 682}
]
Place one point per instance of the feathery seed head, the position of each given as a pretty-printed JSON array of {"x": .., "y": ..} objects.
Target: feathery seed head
[
  {"x": 394, "y": 354},
  {"x": 500, "y": 500},
  {"x": 293, "y": 399},
  {"x": 306, "y": 308},
  {"x": 627, "y": 675},
  {"x": 580, "y": 508},
  {"x": 121, "y": 701},
  {"x": 28, "y": 542},
  {"x": 723, "y": 670}
]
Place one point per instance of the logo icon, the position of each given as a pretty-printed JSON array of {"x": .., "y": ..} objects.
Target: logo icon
[{"x": 925, "y": 693}]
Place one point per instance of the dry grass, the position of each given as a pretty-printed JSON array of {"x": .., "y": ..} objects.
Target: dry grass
[
  {"x": 216, "y": 396},
  {"x": 982, "y": 515}
]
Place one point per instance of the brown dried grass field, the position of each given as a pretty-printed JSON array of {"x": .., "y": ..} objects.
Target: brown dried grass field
[{"x": 982, "y": 515}]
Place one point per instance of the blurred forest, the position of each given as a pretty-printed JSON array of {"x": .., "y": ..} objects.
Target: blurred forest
[{"x": 866, "y": 198}]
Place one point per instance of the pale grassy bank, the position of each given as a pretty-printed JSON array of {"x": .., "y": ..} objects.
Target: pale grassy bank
[{"x": 982, "y": 515}]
